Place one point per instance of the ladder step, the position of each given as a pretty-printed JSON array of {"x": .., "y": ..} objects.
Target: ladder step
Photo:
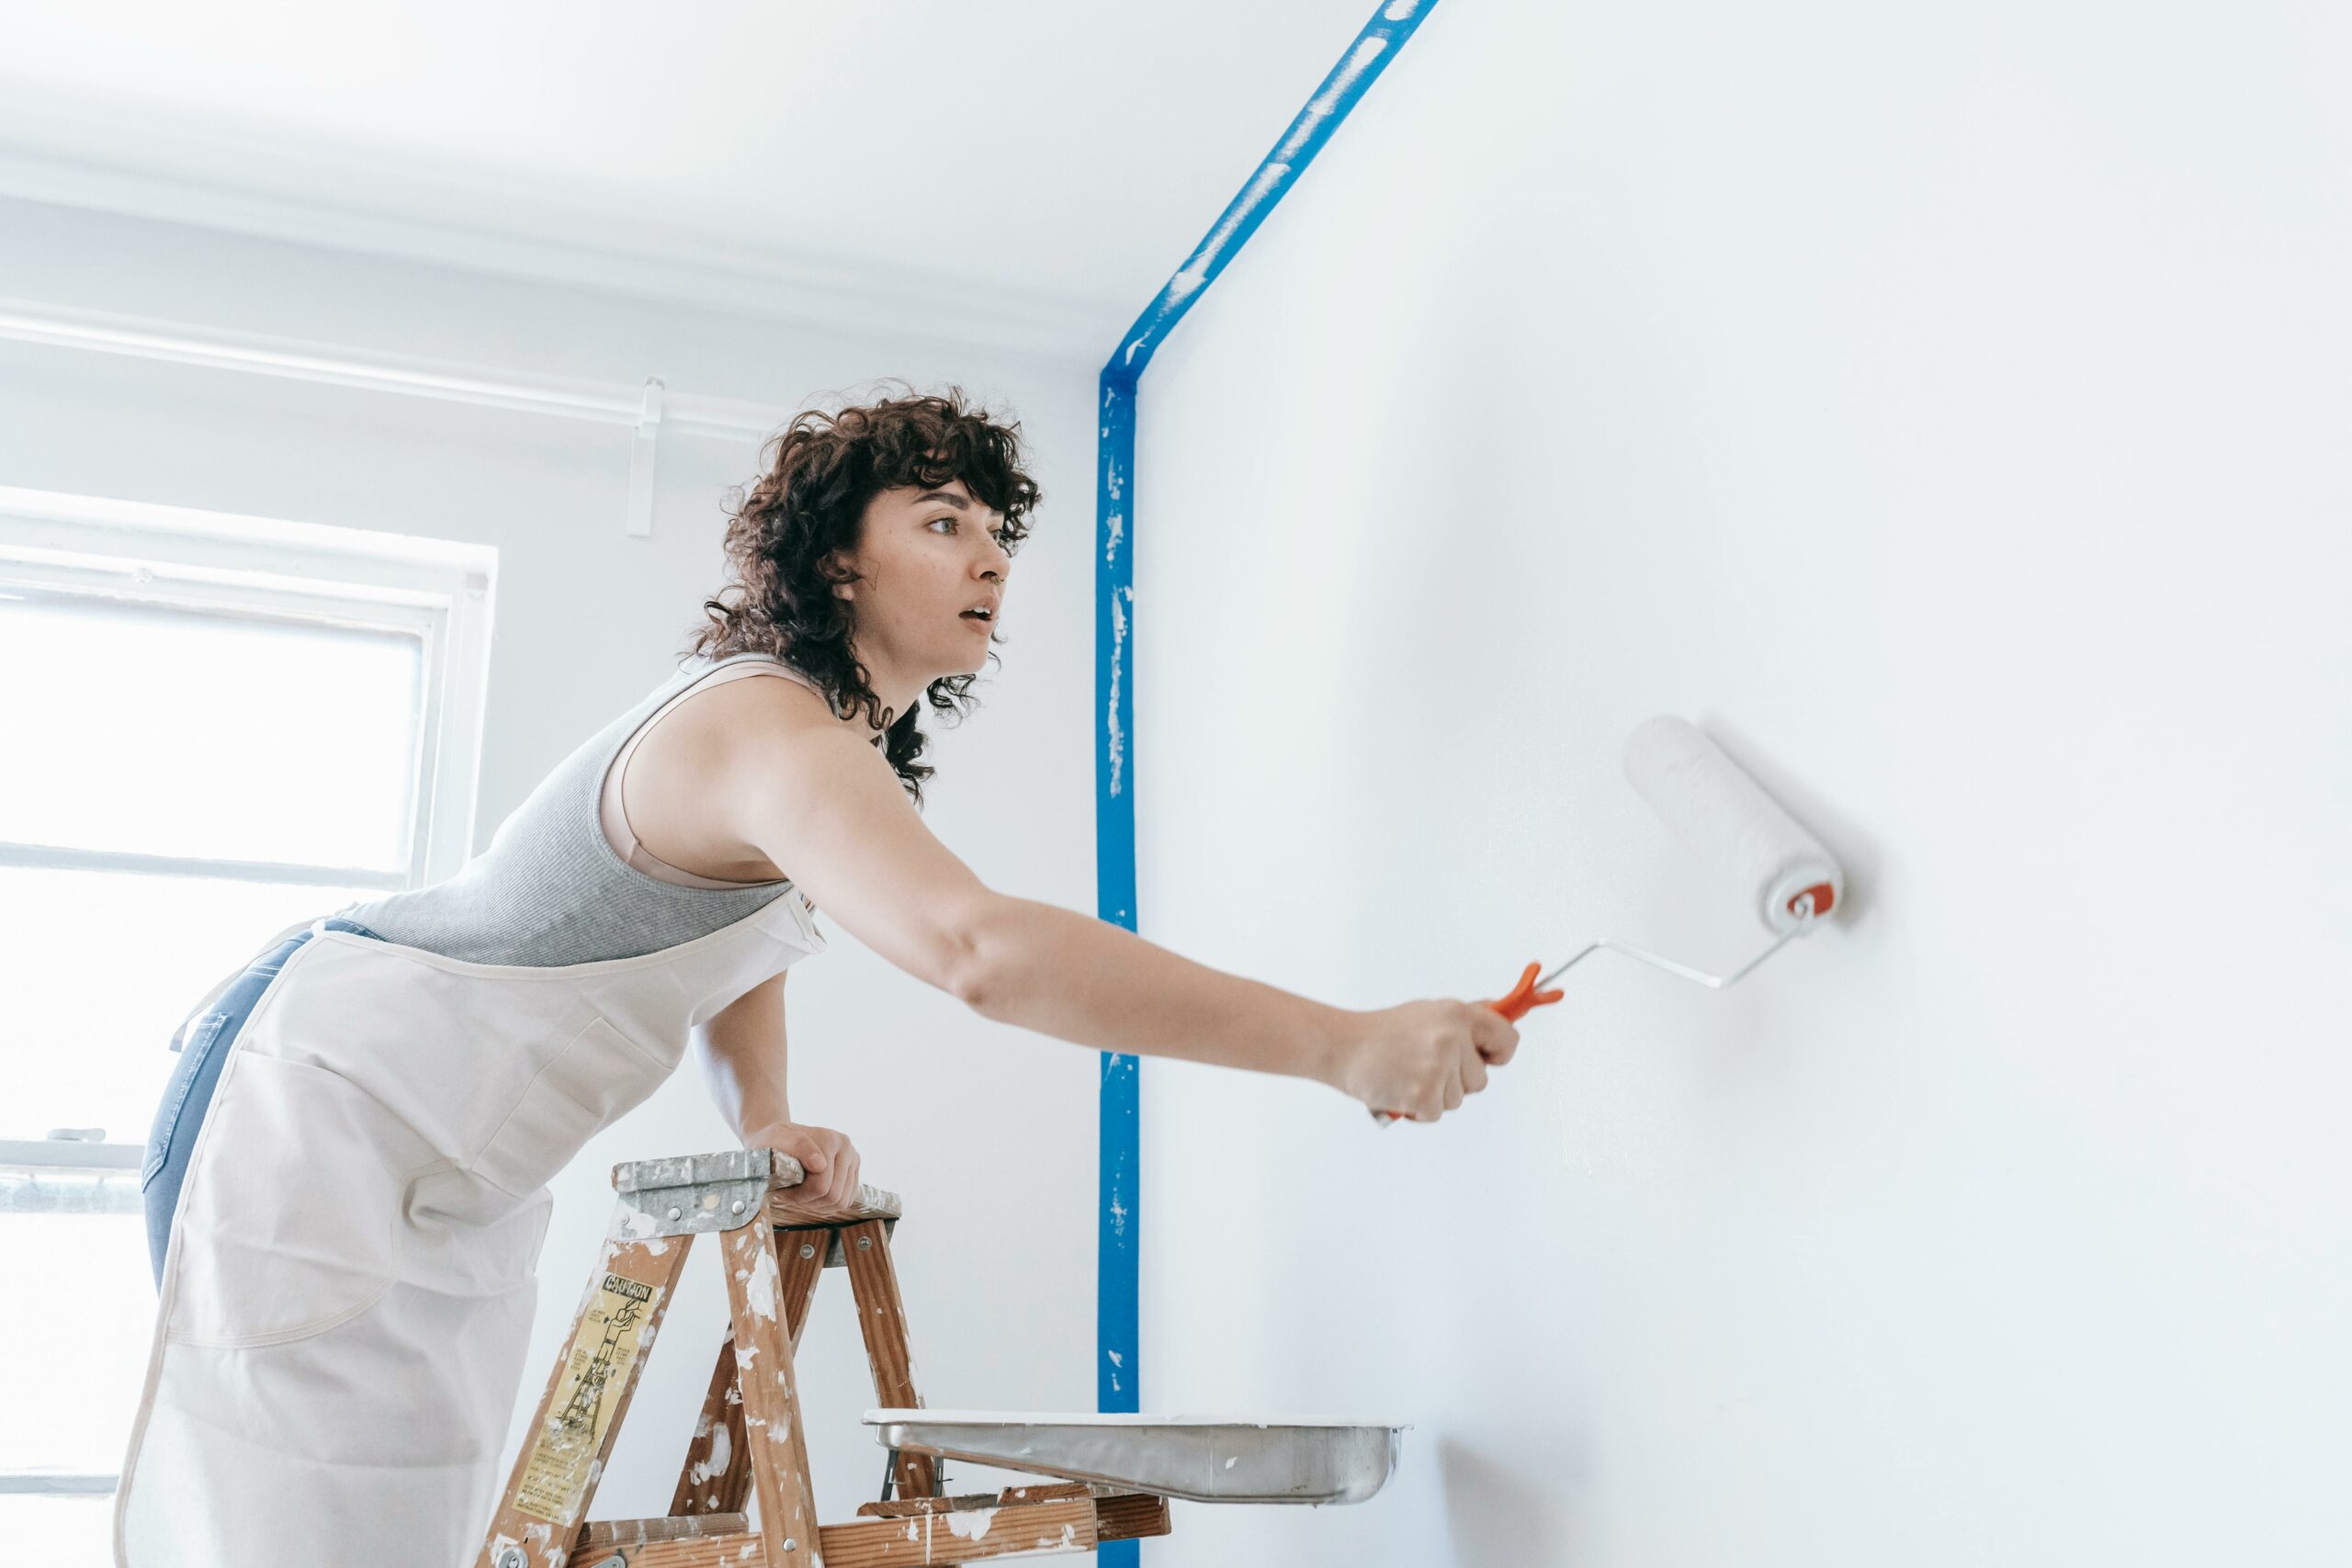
[
  {"x": 787, "y": 1207},
  {"x": 1056, "y": 1527},
  {"x": 632, "y": 1532},
  {"x": 899, "y": 1509}
]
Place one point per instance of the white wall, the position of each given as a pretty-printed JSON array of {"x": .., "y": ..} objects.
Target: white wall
[
  {"x": 977, "y": 1127},
  {"x": 1946, "y": 410}
]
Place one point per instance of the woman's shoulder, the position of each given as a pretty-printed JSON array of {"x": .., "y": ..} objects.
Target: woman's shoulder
[
  {"x": 698, "y": 771},
  {"x": 719, "y": 696},
  {"x": 795, "y": 689},
  {"x": 797, "y": 701},
  {"x": 731, "y": 723}
]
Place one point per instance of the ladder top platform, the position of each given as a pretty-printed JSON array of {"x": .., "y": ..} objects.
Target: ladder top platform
[{"x": 686, "y": 1192}]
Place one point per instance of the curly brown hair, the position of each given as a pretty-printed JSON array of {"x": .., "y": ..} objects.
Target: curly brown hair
[{"x": 821, "y": 471}]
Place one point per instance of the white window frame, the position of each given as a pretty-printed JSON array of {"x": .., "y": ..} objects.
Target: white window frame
[{"x": 443, "y": 591}]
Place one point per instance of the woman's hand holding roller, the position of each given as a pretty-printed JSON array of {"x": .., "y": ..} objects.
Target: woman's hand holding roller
[
  {"x": 826, "y": 1155},
  {"x": 1424, "y": 1058}
]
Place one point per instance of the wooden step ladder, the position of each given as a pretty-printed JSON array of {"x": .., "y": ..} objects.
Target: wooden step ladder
[{"x": 748, "y": 1441}]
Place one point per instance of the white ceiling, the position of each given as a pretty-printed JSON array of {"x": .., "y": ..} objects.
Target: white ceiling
[{"x": 1019, "y": 172}]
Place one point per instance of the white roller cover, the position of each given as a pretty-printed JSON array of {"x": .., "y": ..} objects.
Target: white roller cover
[{"x": 1728, "y": 820}]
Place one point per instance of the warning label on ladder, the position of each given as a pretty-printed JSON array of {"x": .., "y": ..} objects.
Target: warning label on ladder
[{"x": 595, "y": 1370}]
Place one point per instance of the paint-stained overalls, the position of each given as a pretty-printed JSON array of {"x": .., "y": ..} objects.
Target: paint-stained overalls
[{"x": 347, "y": 1291}]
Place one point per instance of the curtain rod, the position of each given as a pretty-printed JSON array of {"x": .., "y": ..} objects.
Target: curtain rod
[{"x": 648, "y": 408}]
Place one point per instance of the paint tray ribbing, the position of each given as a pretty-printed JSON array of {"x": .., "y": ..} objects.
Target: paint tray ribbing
[{"x": 1203, "y": 1458}]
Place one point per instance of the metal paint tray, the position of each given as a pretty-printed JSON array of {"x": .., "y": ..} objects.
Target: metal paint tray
[{"x": 1203, "y": 1458}]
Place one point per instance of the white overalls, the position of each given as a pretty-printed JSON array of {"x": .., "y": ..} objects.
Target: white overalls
[{"x": 348, "y": 1297}]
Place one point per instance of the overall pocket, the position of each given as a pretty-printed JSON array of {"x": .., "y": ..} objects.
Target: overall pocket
[
  {"x": 291, "y": 1216},
  {"x": 592, "y": 1082}
]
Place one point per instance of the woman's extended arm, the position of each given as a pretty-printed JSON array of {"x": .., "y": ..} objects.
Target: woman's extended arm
[
  {"x": 1082, "y": 979},
  {"x": 827, "y": 809}
]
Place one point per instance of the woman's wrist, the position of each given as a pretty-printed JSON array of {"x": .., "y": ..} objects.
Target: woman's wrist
[
  {"x": 1333, "y": 1045},
  {"x": 752, "y": 1124}
]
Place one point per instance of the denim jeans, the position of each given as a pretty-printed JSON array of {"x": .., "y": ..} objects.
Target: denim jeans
[{"x": 181, "y": 1113}]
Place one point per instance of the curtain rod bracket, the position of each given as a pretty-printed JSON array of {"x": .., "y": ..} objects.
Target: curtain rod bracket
[{"x": 640, "y": 461}]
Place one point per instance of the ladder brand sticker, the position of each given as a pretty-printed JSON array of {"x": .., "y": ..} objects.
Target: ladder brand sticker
[{"x": 595, "y": 1370}]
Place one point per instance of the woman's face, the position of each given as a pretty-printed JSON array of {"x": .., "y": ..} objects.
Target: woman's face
[{"x": 924, "y": 558}]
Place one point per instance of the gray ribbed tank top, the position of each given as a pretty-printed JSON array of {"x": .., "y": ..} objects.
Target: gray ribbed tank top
[{"x": 550, "y": 888}]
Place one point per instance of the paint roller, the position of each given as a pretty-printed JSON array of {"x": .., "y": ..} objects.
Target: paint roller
[{"x": 1728, "y": 820}]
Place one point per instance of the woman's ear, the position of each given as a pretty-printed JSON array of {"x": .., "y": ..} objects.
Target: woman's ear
[{"x": 843, "y": 574}]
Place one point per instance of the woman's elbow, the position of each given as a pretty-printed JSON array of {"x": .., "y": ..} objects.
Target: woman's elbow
[{"x": 974, "y": 944}]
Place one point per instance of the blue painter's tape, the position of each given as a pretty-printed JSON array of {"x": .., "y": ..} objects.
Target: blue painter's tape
[
  {"x": 1358, "y": 69},
  {"x": 1117, "y": 1369},
  {"x": 1116, "y": 1320}
]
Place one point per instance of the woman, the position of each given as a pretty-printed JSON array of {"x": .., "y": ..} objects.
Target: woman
[{"x": 347, "y": 1179}]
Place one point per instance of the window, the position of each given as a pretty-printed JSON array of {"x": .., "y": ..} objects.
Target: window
[{"x": 211, "y": 728}]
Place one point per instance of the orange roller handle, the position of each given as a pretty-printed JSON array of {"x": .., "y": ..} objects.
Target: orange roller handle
[
  {"x": 1516, "y": 1004},
  {"x": 1524, "y": 997}
]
